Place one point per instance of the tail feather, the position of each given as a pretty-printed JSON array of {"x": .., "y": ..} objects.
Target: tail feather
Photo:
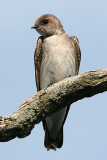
[{"x": 53, "y": 144}]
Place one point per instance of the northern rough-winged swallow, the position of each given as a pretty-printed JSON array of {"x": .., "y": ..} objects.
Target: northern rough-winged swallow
[{"x": 57, "y": 56}]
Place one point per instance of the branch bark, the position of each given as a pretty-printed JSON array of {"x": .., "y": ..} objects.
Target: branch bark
[{"x": 49, "y": 100}]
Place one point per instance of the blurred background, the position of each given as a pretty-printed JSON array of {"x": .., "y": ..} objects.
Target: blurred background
[{"x": 85, "y": 131}]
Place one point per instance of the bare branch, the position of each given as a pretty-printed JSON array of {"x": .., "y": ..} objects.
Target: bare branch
[{"x": 49, "y": 100}]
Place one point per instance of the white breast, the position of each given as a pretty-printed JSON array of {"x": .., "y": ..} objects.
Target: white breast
[
  {"x": 58, "y": 63},
  {"x": 58, "y": 60}
]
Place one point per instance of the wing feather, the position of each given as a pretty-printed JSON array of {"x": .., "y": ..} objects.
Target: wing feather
[
  {"x": 37, "y": 61},
  {"x": 77, "y": 52}
]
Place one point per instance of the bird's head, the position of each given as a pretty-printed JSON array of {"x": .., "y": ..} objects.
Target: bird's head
[{"x": 48, "y": 25}]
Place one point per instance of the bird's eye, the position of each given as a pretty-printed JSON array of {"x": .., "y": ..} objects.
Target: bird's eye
[{"x": 45, "y": 21}]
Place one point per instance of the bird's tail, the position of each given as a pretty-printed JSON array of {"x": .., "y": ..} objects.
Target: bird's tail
[{"x": 53, "y": 144}]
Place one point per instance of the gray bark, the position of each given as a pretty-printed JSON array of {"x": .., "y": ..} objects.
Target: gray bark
[{"x": 49, "y": 100}]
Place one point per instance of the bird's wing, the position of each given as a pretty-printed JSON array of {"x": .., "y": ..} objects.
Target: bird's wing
[
  {"x": 37, "y": 61},
  {"x": 77, "y": 54},
  {"x": 75, "y": 42}
]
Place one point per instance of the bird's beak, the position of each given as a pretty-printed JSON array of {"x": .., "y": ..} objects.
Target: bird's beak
[{"x": 35, "y": 27}]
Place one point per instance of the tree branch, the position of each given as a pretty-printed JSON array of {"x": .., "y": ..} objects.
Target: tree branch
[{"x": 49, "y": 100}]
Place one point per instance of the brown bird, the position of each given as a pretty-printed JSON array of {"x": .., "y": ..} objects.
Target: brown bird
[{"x": 57, "y": 56}]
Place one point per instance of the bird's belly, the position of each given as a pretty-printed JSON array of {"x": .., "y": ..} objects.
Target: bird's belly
[
  {"x": 56, "y": 68},
  {"x": 53, "y": 69}
]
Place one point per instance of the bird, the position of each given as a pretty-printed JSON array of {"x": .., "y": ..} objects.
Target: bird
[{"x": 57, "y": 56}]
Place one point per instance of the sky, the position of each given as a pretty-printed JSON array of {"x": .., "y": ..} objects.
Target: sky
[{"x": 85, "y": 131}]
